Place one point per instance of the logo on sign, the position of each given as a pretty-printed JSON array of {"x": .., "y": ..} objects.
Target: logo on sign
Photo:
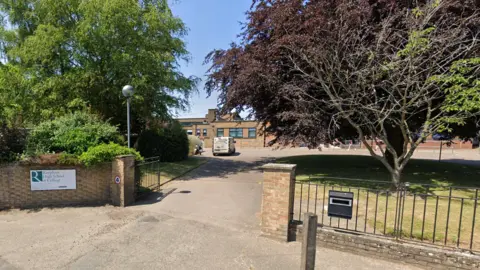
[
  {"x": 117, "y": 180},
  {"x": 37, "y": 176},
  {"x": 52, "y": 179}
]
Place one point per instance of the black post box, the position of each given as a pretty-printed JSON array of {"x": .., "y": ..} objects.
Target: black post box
[{"x": 340, "y": 204}]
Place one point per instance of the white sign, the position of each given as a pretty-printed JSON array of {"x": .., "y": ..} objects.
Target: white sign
[
  {"x": 53, "y": 179},
  {"x": 117, "y": 180}
]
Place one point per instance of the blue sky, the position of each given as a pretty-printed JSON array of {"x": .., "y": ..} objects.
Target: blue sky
[{"x": 212, "y": 24}]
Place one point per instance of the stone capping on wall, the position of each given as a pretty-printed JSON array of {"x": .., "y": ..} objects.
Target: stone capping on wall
[
  {"x": 425, "y": 256},
  {"x": 279, "y": 167}
]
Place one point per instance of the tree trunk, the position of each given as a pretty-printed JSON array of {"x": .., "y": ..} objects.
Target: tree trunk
[
  {"x": 396, "y": 176},
  {"x": 396, "y": 139}
]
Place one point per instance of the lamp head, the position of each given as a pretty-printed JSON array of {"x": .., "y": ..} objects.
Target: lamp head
[{"x": 127, "y": 91}]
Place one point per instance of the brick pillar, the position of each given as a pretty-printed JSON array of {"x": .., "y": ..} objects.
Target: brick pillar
[
  {"x": 277, "y": 201},
  {"x": 5, "y": 176},
  {"x": 122, "y": 194}
]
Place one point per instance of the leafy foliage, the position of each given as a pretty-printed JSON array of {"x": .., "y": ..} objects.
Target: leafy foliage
[
  {"x": 16, "y": 101},
  {"x": 105, "y": 153},
  {"x": 68, "y": 159},
  {"x": 12, "y": 143},
  {"x": 149, "y": 144},
  {"x": 462, "y": 86},
  {"x": 169, "y": 143},
  {"x": 73, "y": 134},
  {"x": 314, "y": 71},
  {"x": 418, "y": 43},
  {"x": 259, "y": 72},
  {"x": 68, "y": 55}
]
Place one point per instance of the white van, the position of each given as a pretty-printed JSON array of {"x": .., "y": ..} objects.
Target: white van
[{"x": 223, "y": 145}]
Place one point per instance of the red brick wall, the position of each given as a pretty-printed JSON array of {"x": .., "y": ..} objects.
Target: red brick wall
[
  {"x": 277, "y": 200},
  {"x": 433, "y": 144},
  {"x": 93, "y": 187}
]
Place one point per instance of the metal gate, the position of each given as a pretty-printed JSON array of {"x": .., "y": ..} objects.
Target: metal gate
[
  {"x": 434, "y": 214},
  {"x": 147, "y": 176}
]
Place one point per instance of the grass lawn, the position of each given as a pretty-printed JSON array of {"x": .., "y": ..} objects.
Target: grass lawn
[
  {"x": 365, "y": 167},
  {"x": 376, "y": 204},
  {"x": 170, "y": 170}
]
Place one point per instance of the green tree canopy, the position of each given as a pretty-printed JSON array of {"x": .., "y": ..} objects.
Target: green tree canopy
[{"x": 66, "y": 55}]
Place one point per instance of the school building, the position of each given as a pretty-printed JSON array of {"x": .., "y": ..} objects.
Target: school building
[{"x": 247, "y": 134}]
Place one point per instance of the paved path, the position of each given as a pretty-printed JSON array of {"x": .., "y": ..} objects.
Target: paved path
[{"x": 208, "y": 221}]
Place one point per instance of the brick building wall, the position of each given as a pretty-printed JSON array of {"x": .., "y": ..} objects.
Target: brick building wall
[
  {"x": 245, "y": 141},
  {"x": 208, "y": 127},
  {"x": 93, "y": 187},
  {"x": 213, "y": 125},
  {"x": 207, "y": 132}
]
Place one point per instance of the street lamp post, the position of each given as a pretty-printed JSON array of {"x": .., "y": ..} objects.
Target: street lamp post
[{"x": 127, "y": 92}]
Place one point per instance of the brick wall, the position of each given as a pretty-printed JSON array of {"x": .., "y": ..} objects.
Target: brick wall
[
  {"x": 277, "y": 200},
  {"x": 93, "y": 185},
  {"x": 245, "y": 141},
  {"x": 123, "y": 194},
  {"x": 435, "y": 145},
  {"x": 249, "y": 143},
  {"x": 417, "y": 254}
]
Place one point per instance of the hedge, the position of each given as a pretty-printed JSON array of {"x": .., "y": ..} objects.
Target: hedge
[{"x": 169, "y": 143}]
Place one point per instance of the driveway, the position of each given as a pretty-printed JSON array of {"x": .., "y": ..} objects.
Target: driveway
[{"x": 208, "y": 219}]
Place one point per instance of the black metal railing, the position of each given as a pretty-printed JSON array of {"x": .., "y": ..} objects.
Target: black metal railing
[
  {"x": 147, "y": 176},
  {"x": 435, "y": 214}
]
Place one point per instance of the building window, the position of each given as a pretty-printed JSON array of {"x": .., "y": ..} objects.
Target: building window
[
  {"x": 189, "y": 132},
  {"x": 198, "y": 132},
  {"x": 236, "y": 132},
  {"x": 252, "y": 133},
  {"x": 220, "y": 132},
  {"x": 204, "y": 132}
]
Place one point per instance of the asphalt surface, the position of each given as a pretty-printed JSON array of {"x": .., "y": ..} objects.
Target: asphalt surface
[{"x": 208, "y": 219}]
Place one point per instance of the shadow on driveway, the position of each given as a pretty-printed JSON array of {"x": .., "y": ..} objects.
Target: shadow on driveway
[
  {"x": 219, "y": 167},
  {"x": 158, "y": 196}
]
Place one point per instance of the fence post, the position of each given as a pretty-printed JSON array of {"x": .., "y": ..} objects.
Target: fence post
[
  {"x": 401, "y": 207},
  {"x": 158, "y": 173},
  {"x": 309, "y": 244},
  {"x": 440, "y": 153},
  {"x": 277, "y": 200}
]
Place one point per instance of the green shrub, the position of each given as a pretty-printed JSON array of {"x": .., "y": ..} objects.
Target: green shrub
[
  {"x": 175, "y": 146},
  {"x": 73, "y": 134},
  {"x": 105, "y": 153},
  {"x": 169, "y": 143},
  {"x": 68, "y": 159},
  {"x": 12, "y": 143},
  {"x": 149, "y": 144}
]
